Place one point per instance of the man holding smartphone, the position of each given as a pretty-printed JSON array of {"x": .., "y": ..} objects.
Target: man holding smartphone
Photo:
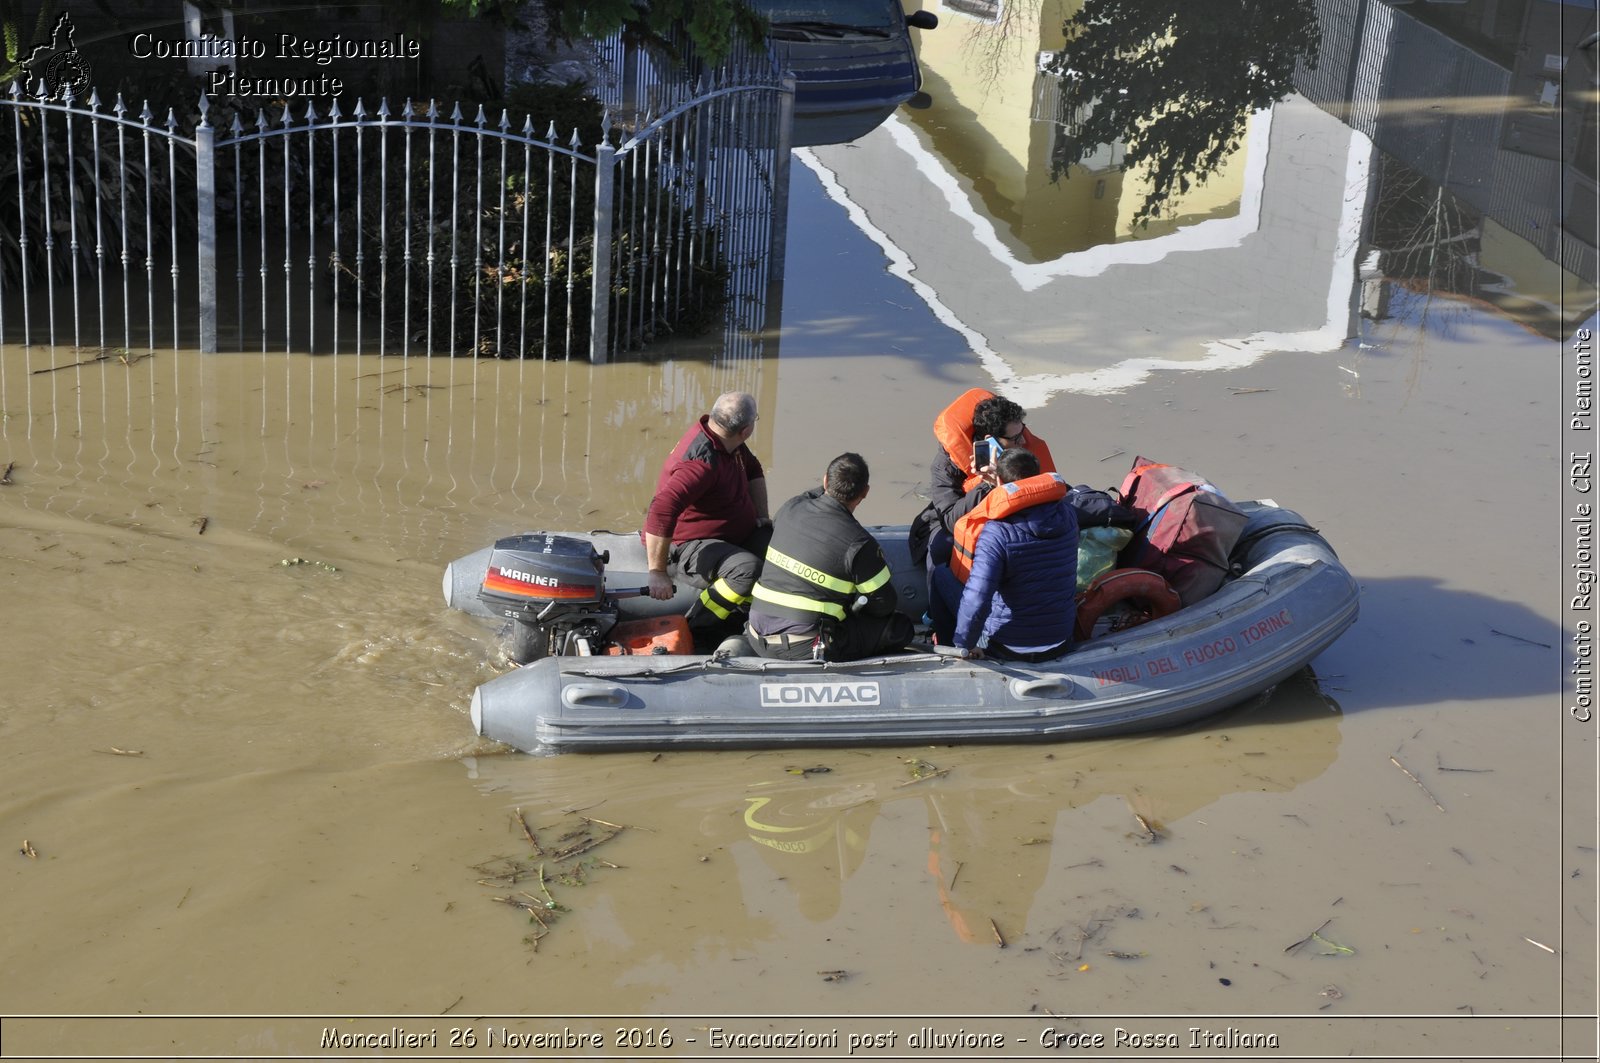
[
  {"x": 708, "y": 520},
  {"x": 957, "y": 479}
]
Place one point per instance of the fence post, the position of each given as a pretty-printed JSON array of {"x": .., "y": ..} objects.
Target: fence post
[
  {"x": 780, "y": 187},
  {"x": 205, "y": 180},
  {"x": 600, "y": 300}
]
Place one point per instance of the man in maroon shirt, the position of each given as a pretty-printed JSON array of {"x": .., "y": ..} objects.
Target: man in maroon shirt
[{"x": 708, "y": 520}]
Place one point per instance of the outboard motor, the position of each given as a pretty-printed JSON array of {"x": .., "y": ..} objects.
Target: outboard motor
[{"x": 552, "y": 589}]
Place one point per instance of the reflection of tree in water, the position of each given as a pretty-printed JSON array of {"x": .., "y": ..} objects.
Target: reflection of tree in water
[
  {"x": 1175, "y": 82},
  {"x": 1427, "y": 241}
]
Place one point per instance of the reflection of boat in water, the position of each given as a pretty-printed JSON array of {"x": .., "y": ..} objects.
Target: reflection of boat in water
[
  {"x": 978, "y": 841},
  {"x": 1290, "y": 599}
]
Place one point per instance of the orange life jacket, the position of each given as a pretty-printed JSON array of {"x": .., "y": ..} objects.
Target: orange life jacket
[
  {"x": 953, "y": 429},
  {"x": 1003, "y": 501}
]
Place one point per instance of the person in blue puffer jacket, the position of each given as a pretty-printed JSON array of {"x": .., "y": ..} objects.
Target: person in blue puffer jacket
[{"x": 1017, "y": 603}]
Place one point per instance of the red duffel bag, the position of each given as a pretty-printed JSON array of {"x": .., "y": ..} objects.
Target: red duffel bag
[{"x": 1188, "y": 532}]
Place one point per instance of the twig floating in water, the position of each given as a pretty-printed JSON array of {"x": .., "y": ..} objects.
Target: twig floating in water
[
  {"x": 28, "y": 850},
  {"x": 201, "y": 525},
  {"x": 1308, "y": 937},
  {"x": 999, "y": 938},
  {"x": 616, "y": 826},
  {"x": 538, "y": 850},
  {"x": 1519, "y": 638},
  {"x": 73, "y": 365},
  {"x": 1540, "y": 945},
  {"x": 5, "y": 477},
  {"x": 1418, "y": 781},
  {"x": 1438, "y": 762},
  {"x": 1153, "y": 834},
  {"x": 1249, "y": 391}
]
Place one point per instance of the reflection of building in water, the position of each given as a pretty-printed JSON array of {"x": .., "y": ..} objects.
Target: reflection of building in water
[
  {"x": 1485, "y": 115},
  {"x": 996, "y": 115}
]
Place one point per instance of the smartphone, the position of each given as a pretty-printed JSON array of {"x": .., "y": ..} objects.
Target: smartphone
[{"x": 985, "y": 451}]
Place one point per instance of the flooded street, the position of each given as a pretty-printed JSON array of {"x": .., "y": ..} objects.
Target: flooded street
[{"x": 236, "y": 746}]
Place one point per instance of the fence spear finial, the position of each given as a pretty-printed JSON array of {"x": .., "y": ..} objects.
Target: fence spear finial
[
  {"x": 205, "y": 106},
  {"x": 334, "y": 114}
]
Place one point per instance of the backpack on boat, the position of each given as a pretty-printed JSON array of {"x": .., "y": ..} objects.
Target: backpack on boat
[{"x": 1189, "y": 531}]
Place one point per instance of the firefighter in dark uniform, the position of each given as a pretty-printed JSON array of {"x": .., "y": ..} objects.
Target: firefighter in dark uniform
[{"x": 825, "y": 591}]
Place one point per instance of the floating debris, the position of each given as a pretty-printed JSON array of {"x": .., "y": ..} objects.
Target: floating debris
[
  {"x": 290, "y": 562},
  {"x": 922, "y": 770},
  {"x": 1151, "y": 830},
  {"x": 1395, "y": 761},
  {"x": 561, "y": 866}
]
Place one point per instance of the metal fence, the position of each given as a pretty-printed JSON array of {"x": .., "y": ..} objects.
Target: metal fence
[{"x": 409, "y": 230}]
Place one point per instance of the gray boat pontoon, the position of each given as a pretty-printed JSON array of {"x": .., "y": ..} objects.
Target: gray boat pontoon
[{"x": 1290, "y": 599}]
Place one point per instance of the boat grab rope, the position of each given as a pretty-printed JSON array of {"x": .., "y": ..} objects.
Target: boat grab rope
[{"x": 731, "y": 663}]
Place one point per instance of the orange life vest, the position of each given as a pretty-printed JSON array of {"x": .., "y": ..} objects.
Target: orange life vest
[
  {"x": 1003, "y": 501},
  {"x": 953, "y": 429}
]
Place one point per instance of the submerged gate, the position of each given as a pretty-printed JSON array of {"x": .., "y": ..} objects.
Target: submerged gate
[{"x": 409, "y": 230}]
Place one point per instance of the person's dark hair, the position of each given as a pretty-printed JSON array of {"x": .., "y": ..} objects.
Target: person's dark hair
[
  {"x": 847, "y": 477},
  {"x": 991, "y": 416},
  {"x": 734, "y": 411},
  {"x": 1017, "y": 464}
]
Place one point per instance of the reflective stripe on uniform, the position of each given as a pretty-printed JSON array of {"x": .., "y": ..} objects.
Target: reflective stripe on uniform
[
  {"x": 868, "y": 586},
  {"x": 807, "y": 573},
  {"x": 796, "y": 601},
  {"x": 709, "y": 600},
  {"x": 722, "y": 600},
  {"x": 728, "y": 594}
]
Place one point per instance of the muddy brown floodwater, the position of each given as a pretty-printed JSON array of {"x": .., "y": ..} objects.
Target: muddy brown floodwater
[{"x": 235, "y": 737}]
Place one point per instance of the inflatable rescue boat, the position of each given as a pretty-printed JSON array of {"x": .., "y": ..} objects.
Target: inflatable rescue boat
[{"x": 609, "y": 668}]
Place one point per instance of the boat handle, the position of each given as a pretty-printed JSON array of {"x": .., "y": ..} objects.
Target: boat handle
[
  {"x": 1043, "y": 687},
  {"x": 595, "y": 694}
]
